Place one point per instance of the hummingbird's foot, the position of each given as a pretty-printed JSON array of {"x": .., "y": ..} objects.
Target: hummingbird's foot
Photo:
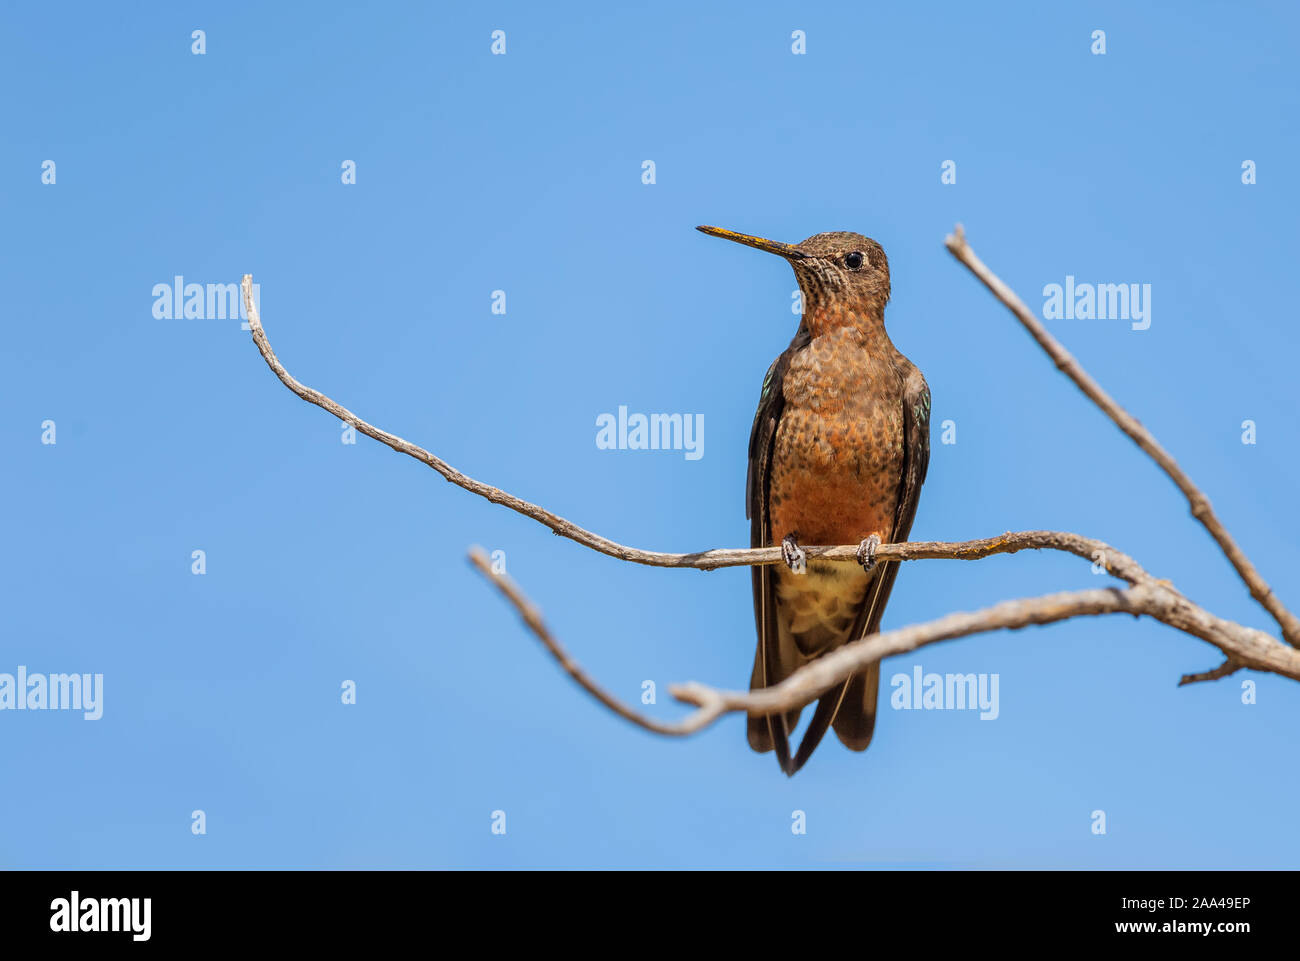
[
  {"x": 867, "y": 552},
  {"x": 793, "y": 555}
]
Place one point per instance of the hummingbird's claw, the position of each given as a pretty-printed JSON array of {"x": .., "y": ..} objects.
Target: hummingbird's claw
[
  {"x": 867, "y": 552},
  {"x": 793, "y": 555}
]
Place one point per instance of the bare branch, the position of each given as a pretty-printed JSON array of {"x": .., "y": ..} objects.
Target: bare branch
[
  {"x": 1146, "y": 596},
  {"x": 1065, "y": 362},
  {"x": 708, "y": 712},
  {"x": 1244, "y": 646},
  {"x": 1116, "y": 562}
]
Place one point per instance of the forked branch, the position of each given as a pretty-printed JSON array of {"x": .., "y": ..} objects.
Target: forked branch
[
  {"x": 1245, "y": 646},
  {"x": 1145, "y": 596},
  {"x": 1196, "y": 499}
]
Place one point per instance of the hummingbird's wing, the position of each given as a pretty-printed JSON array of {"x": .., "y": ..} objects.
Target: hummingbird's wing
[
  {"x": 855, "y": 718},
  {"x": 771, "y": 663}
]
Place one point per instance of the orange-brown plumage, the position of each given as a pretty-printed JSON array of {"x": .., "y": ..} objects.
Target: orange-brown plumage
[{"x": 838, "y": 452}]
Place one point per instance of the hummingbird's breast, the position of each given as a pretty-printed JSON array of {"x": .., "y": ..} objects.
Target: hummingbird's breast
[{"x": 837, "y": 459}]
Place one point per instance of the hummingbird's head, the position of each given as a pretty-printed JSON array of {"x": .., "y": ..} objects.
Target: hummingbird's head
[{"x": 836, "y": 268}]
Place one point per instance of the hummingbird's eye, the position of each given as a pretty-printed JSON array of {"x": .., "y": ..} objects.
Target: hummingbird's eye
[{"x": 854, "y": 260}]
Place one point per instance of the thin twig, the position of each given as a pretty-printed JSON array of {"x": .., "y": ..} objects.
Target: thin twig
[
  {"x": 1196, "y": 499},
  {"x": 533, "y": 618},
  {"x": 1223, "y": 670}
]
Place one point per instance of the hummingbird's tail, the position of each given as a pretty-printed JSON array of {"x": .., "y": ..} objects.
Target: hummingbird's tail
[
  {"x": 827, "y": 707},
  {"x": 850, "y": 708},
  {"x": 856, "y": 719},
  {"x": 768, "y": 733}
]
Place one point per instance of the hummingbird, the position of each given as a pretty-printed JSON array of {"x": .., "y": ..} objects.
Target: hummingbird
[{"x": 837, "y": 455}]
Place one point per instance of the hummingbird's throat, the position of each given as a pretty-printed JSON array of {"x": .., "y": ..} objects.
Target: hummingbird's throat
[{"x": 827, "y": 317}]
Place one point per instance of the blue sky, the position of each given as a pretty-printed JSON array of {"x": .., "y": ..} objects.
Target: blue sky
[{"x": 328, "y": 562}]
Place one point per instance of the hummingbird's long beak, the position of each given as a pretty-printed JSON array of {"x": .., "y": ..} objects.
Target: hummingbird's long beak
[{"x": 788, "y": 251}]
